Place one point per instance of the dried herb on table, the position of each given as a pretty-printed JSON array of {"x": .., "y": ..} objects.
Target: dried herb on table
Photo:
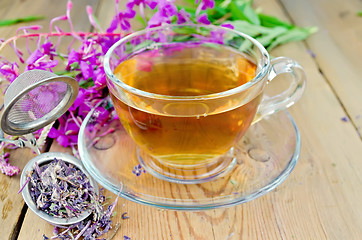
[{"x": 62, "y": 190}]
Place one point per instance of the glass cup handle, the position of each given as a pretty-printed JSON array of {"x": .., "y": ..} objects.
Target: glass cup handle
[{"x": 287, "y": 98}]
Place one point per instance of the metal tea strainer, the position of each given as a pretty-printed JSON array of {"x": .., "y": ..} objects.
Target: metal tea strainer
[{"x": 35, "y": 99}]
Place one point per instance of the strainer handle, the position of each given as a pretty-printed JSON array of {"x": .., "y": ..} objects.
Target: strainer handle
[{"x": 30, "y": 142}]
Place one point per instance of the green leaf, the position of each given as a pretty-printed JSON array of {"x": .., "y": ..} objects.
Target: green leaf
[
  {"x": 249, "y": 29},
  {"x": 60, "y": 56},
  {"x": 74, "y": 65},
  {"x": 359, "y": 13},
  {"x": 251, "y": 14},
  {"x": 270, "y": 21},
  {"x": 87, "y": 84},
  {"x": 296, "y": 34},
  {"x": 266, "y": 39},
  {"x": 244, "y": 12},
  {"x": 216, "y": 13},
  {"x": 8, "y": 22},
  {"x": 245, "y": 46},
  {"x": 72, "y": 74},
  {"x": 140, "y": 19}
]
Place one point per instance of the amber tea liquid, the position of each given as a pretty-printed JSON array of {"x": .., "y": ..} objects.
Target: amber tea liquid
[{"x": 179, "y": 138}]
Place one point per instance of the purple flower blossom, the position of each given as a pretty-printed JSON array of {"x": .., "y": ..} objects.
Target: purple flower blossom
[
  {"x": 6, "y": 168},
  {"x": 9, "y": 70},
  {"x": 99, "y": 77},
  {"x": 151, "y": 3},
  {"x": 42, "y": 58},
  {"x": 85, "y": 59},
  {"x": 157, "y": 20},
  {"x": 126, "y": 237},
  {"x": 122, "y": 19},
  {"x": 203, "y": 19},
  {"x": 205, "y": 4},
  {"x": 138, "y": 170},
  {"x": 183, "y": 16},
  {"x": 227, "y": 25},
  {"x": 166, "y": 10},
  {"x": 106, "y": 42},
  {"x": 67, "y": 134}
]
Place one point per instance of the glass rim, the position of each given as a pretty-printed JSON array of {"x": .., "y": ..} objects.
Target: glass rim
[{"x": 265, "y": 63}]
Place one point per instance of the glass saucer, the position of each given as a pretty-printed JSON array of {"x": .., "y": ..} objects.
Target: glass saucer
[{"x": 266, "y": 155}]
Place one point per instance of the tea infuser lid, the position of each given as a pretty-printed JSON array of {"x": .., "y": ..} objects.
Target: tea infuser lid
[{"x": 35, "y": 99}]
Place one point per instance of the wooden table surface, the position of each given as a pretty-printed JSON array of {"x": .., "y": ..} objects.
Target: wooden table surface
[{"x": 321, "y": 199}]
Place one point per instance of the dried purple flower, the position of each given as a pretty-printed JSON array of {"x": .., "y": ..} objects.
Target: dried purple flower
[
  {"x": 60, "y": 189},
  {"x": 345, "y": 119},
  {"x": 126, "y": 237},
  {"x": 124, "y": 215},
  {"x": 138, "y": 170}
]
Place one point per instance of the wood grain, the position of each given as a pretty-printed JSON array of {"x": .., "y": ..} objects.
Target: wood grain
[
  {"x": 337, "y": 46},
  {"x": 11, "y": 203},
  {"x": 322, "y": 197}
]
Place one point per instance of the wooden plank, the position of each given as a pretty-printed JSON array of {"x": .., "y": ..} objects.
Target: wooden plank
[
  {"x": 337, "y": 46},
  {"x": 11, "y": 203},
  {"x": 318, "y": 201}
]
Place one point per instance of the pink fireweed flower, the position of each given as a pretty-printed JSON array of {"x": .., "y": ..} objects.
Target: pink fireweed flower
[
  {"x": 183, "y": 16},
  {"x": 9, "y": 70},
  {"x": 227, "y": 25},
  {"x": 203, "y": 19},
  {"x": 205, "y": 4},
  {"x": 151, "y": 3},
  {"x": 86, "y": 59},
  {"x": 42, "y": 58},
  {"x": 6, "y": 168},
  {"x": 67, "y": 134},
  {"x": 122, "y": 19},
  {"x": 166, "y": 10},
  {"x": 142, "y": 4}
]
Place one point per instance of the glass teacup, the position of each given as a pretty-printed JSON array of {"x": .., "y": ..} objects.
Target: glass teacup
[{"x": 187, "y": 93}]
